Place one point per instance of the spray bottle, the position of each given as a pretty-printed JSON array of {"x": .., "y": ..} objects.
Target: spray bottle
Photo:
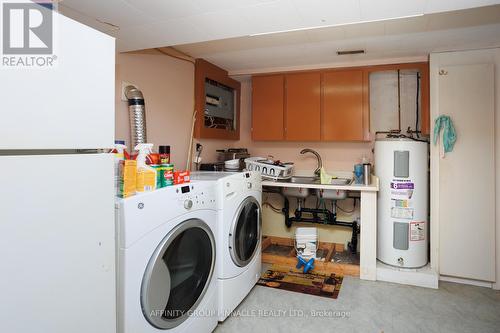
[{"x": 146, "y": 175}]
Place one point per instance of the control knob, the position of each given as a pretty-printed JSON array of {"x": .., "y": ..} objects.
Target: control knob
[{"x": 188, "y": 204}]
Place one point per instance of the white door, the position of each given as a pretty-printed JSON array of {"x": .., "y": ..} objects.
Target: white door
[
  {"x": 178, "y": 274},
  {"x": 69, "y": 106},
  {"x": 245, "y": 233},
  {"x": 57, "y": 244},
  {"x": 467, "y": 175}
]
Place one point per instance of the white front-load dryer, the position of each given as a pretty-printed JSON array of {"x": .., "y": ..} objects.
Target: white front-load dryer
[
  {"x": 239, "y": 199},
  {"x": 166, "y": 270}
]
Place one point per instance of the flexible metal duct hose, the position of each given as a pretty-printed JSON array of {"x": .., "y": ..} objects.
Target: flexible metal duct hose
[{"x": 137, "y": 111}]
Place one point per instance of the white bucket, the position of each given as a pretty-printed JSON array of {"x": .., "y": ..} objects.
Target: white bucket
[{"x": 306, "y": 242}]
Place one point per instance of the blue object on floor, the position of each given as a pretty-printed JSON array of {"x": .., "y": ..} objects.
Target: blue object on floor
[
  {"x": 449, "y": 134},
  {"x": 308, "y": 265}
]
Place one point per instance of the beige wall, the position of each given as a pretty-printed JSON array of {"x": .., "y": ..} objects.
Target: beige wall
[{"x": 168, "y": 87}]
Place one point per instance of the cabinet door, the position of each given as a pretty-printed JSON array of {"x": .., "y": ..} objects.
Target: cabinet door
[
  {"x": 267, "y": 107},
  {"x": 466, "y": 186},
  {"x": 303, "y": 107},
  {"x": 343, "y": 106}
]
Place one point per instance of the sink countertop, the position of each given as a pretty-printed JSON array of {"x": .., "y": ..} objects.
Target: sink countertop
[{"x": 373, "y": 187}]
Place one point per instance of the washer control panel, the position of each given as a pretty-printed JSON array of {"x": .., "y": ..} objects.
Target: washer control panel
[
  {"x": 196, "y": 196},
  {"x": 141, "y": 213}
]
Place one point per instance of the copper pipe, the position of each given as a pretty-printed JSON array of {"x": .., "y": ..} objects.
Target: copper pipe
[{"x": 399, "y": 100}]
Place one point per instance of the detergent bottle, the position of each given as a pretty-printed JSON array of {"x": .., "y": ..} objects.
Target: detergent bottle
[{"x": 146, "y": 175}]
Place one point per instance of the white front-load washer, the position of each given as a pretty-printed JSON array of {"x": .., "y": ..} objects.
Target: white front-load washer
[
  {"x": 239, "y": 199},
  {"x": 166, "y": 269}
]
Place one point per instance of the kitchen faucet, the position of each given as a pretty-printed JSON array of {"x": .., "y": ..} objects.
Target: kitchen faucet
[{"x": 320, "y": 163}]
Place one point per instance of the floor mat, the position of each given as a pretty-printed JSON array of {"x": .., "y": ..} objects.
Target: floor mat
[{"x": 285, "y": 278}]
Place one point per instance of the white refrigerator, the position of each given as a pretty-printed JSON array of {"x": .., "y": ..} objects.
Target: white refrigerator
[{"x": 57, "y": 245}]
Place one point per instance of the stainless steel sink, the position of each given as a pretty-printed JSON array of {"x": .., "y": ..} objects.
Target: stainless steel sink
[
  {"x": 341, "y": 181},
  {"x": 315, "y": 180},
  {"x": 335, "y": 194},
  {"x": 299, "y": 192},
  {"x": 304, "y": 192},
  {"x": 301, "y": 180}
]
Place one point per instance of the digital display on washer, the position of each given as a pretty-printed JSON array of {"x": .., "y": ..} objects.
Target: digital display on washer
[
  {"x": 185, "y": 189},
  {"x": 247, "y": 175}
]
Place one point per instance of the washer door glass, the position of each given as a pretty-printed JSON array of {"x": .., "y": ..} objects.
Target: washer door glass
[
  {"x": 245, "y": 235},
  {"x": 178, "y": 274}
]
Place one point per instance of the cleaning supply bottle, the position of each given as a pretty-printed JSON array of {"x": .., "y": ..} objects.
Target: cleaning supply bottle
[
  {"x": 146, "y": 175},
  {"x": 164, "y": 154},
  {"x": 119, "y": 155}
]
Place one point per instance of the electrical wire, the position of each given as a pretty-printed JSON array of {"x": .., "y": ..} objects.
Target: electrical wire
[
  {"x": 274, "y": 209},
  {"x": 345, "y": 210}
]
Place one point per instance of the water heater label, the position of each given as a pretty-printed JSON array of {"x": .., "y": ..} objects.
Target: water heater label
[
  {"x": 401, "y": 203},
  {"x": 403, "y": 186},
  {"x": 417, "y": 231},
  {"x": 402, "y": 213}
]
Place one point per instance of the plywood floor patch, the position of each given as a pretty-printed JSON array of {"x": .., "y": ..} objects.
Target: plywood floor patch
[{"x": 331, "y": 258}]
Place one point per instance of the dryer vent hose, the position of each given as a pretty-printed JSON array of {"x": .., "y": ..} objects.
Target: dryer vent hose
[{"x": 137, "y": 111}]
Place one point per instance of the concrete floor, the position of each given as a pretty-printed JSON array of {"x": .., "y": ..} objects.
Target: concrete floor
[{"x": 364, "y": 306}]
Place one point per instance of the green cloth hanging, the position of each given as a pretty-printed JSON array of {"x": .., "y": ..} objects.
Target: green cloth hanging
[{"x": 449, "y": 134}]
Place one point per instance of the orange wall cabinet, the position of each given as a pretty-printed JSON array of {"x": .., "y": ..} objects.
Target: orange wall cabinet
[
  {"x": 303, "y": 106},
  {"x": 322, "y": 105},
  {"x": 345, "y": 106},
  {"x": 217, "y": 103},
  {"x": 268, "y": 93}
]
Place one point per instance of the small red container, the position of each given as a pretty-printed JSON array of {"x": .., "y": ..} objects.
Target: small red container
[{"x": 181, "y": 177}]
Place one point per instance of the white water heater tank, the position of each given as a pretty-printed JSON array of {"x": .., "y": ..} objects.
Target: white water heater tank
[{"x": 401, "y": 165}]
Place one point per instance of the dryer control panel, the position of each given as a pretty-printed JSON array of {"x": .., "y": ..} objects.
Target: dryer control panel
[{"x": 241, "y": 182}]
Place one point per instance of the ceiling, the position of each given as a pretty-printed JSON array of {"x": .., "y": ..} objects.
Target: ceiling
[
  {"x": 247, "y": 35},
  {"x": 154, "y": 23},
  {"x": 408, "y": 39}
]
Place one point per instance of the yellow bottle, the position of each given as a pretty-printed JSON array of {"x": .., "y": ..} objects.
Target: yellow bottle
[
  {"x": 128, "y": 178},
  {"x": 146, "y": 175}
]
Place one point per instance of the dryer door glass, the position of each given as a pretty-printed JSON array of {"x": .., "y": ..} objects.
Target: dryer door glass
[
  {"x": 245, "y": 234},
  {"x": 178, "y": 274}
]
